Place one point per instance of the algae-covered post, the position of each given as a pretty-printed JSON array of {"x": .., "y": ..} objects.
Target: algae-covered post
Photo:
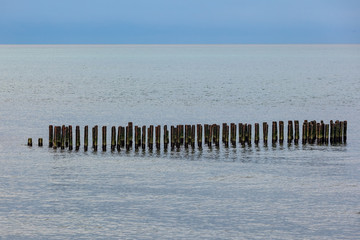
[
  {"x": 113, "y": 138},
  {"x": 326, "y": 139},
  {"x": 290, "y": 132},
  {"x": 304, "y": 132},
  {"x": 29, "y": 142},
  {"x": 95, "y": 138},
  {"x": 143, "y": 137},
  {"x": 199, "y": 135},
  {"x": 157, "y": 136},
  {"x": 66, "y": 136},
  {"x": 136, "y": 137},
  {"x": 281, "y": 132},
  {"x": 297, "y": 133},
  {"x": 249, "y": 134},
  {"x": 274, "y": 132},
  {"x": 193, "y": 136},
  {"x": 51, "y": 135},
  {"x": 77, "y": 138},
  {"x": 104, "y": 138},
  {"x": 86, "y": 137},
  {"x": 70, "y": 138},
  {"x": 257, "y": 136},
  {"x": 166, "y": 137},
  {"x": 265, "y": 132},
  {"x": 40, "y": 142}
]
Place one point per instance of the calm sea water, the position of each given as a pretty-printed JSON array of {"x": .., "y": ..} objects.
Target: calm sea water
[{"x": 274, "y": 192}]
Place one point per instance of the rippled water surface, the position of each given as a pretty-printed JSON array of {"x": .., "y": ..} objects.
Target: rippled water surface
[{"x": 252, "y": 192}]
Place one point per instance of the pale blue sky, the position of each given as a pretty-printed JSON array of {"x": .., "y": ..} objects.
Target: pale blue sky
[{"x": 179, "y": 21}]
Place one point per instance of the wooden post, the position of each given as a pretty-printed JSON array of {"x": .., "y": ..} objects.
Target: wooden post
[
  {"x": 341, "y": 132},
  {"x": 233, "y": 134},
  {"x": 29, "y": 143},
  {"x": 172, "y": 140},
  {"x": 322, "y": 132},
  {"x": 227, "y": 133},
  {"x": 77, "y": 138},
  {"x": 243, "y": 134},
  {"x": 131, "y": 135},
  {"x": 151, "y": 140},
  {"x": 290, "y": 132},
  {"x": 143, "y": 137},
  {"x": 199, "y": 135},
  {"x": 281, "y": 132},
  {"x": 166, "y": 137},
  {"x": 304, "y": 137},
  {"x": 70, "y": 138},
  {"x": 86, "y": 137},
  {"x": 40, "y": 142},
  {"x": 206, "y": 133},
  {"x": 318, "y": 130},
  {"x": 265, "y": 132},
  {"x": 296, "y": 139},
  {"x": 66, "y": 136},
  {"x": 345, "y": 130},
  {"x": 58, "y": 136},
  {"x": 95, "y": 138},
  {"x": 223, "y": 132},
  {"x": 127, "y": 138},
  {"x": 186, "y": 135},
  {"x": 136, "y": 137},
  {"x": 180, "y": 135},
  {"x": 113, "y": 138},
  {"x": 326, "y": 134},
  {"x": 210, "y": 138},
  {"x": 274, "y": 132},
  {"x": 217, "y": 143},
  {"x": 104, "y": 138},
  {"x": 308, "y": 132},
  {"x": 257, "y": 136},
  {"x": 51, "y": 136},
  {"x": 157, "y": 136},
  {"x": 193, "y": 136},
  {"x": 249, "y": 133},
  {"x": 118, "y": 139},
  {"x": 63, "y": 135},
  {"x": 240, "y": 132}
]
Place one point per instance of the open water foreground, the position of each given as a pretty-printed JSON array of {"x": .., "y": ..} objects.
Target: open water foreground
[{"x": 274, "y": 192}]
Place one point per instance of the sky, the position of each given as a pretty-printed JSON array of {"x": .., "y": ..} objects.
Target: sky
[{"x": 179, "y": 21}]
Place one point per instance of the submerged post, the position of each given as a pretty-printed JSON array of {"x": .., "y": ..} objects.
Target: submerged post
[
  {"x": 345, "y": 130},
  {"x": 257, "y": 136},
  {"x": 104, "y": 138},
  {"x": 199, "y": 135},
  {"x": 296, "y": 139}
]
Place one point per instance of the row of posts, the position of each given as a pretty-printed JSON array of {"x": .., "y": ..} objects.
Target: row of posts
[{"x": 186, "y": 135}]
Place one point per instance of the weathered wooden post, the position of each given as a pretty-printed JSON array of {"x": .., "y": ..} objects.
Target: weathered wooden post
[
  {"x": 193, "y": 136},
  {"x": 345, "y": 131},
  {"x": 180, "y": 135},
  {"x": 113, "y": 138},
  {"x": 304, "y": 137},
  {"x": 157, "y": 136},
  {"x": 257, "y": 136},
  {"x": 341, "y": 132},
  {"x": 131, "y": 135},
  {"x": 296, "y": 139},
  {"x": 281, "y": 132},
  {"x": 51, "y": 136},
  {"x": 172, "y": 140},
  {"x": 326, "y": 134},
  {"x": 318, "y": 132},
  {"x": 166, "y": 137},
  {"x": 249, "y": 132},
  {"x": 63, "y": 135},
  {"x": 199, "y": 135},
  {"x": 95, "y": 138},
  {"x": 217, "y": 143},
  {"x": 290, "y": 132},
  {"x": 136, "y": 138},
  {"x": 40, "y": 142},
  {"x": 143, "y": 137},
  {"x": 104, "y": 138},
  {"x": 244, "y": 134},
  {"x": 70, "y": 138},
  {"x": 240, "y": 132},
  {"x": 29, "y": 142},
  {"x": 186, "y": 136},
  {"x": 274, "y": 132},
  {"x": 226, "y": 135},
  {"x": 151, "y": 139},
  {"x": 265, "y": 132},
  {"x": 127, "y": 138},
  {"x": 206, "y": 132},
  {"x": 223, "y": 132},
  {"x": 233, "y": 134},
  {"x": 86, "y": 137},
  {"x": 66, "y": 136},
  {"x": 77, "y": 138}
]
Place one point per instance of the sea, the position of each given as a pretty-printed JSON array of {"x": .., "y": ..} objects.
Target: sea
[{"x": 287, "y": 191}]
